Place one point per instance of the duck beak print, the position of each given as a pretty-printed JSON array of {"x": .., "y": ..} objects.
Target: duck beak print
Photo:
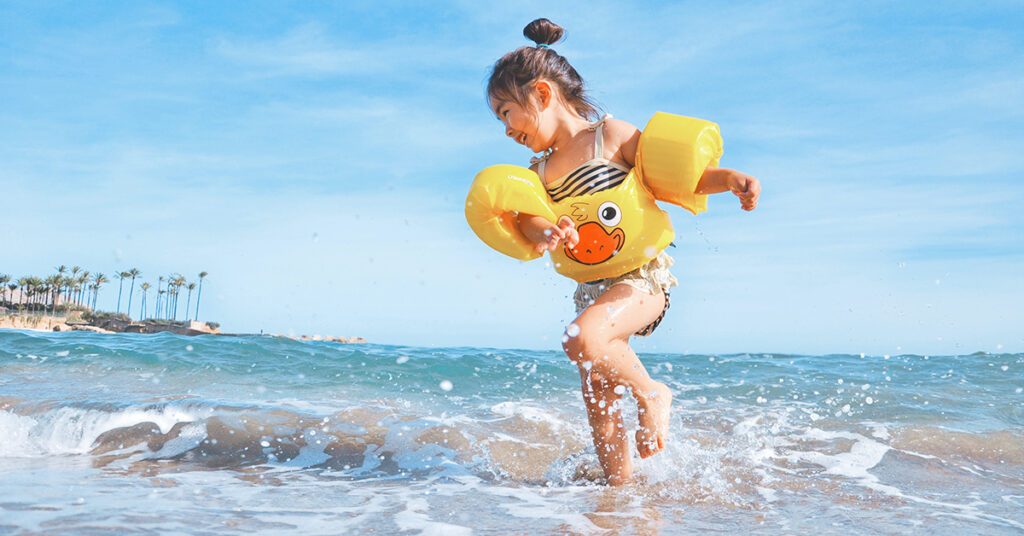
[{"x": 596, "y": 245}]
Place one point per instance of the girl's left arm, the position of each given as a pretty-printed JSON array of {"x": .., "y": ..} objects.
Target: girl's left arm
[
  {"x": 713, "y": 181},
  {"x": 717, "y": 180}
]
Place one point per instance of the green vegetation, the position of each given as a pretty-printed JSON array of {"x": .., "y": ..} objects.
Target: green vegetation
[{"x": 75, "y": 290}]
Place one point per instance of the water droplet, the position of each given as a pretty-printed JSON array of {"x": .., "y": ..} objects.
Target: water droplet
[
  {"x": 869, "y": 400},
  {"x": 264, "y": 443},
  {"x": 573, "y": 330},
  {"x": 620, "y": 389},
  {"x": 188, "y": 348},
  {"x": 402, "y": 359},
  {"x": 445, "y": 385}
]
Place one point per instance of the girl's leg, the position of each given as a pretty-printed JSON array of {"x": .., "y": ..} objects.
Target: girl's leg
[
  {"x": 604, "y": 412},
  {"x": 602, "y": 347}
]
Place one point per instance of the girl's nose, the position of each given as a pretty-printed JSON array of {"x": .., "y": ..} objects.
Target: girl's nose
[{"x": 509, "y": 132}]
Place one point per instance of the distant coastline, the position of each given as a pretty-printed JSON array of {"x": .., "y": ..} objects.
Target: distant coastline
[
  {"x": 110, "y": 323},
  {"x": 67, "y": 301}
]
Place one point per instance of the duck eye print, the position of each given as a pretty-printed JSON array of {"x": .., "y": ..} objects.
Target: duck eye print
[{"x": 609, "y": 214}]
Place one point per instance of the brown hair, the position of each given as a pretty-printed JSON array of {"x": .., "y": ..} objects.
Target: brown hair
[{"x": 514, "y": 72}]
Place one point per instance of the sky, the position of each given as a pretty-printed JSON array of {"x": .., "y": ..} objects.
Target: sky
[{"x": 314, "y": 158}]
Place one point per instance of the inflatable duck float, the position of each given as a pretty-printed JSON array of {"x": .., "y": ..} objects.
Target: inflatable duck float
[{"x": 620, "y": 228}]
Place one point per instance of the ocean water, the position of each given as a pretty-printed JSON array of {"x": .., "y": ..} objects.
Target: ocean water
[{"x": 220, "y": 435}]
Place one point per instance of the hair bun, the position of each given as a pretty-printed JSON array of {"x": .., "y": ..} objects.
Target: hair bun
[{"x": 543, "y": 32}]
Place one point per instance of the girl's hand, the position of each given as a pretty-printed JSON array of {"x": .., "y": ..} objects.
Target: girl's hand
[
  {"x": 745, "y": 187},
  {"x": 572, "y": 237},
  {"x": 545, "y": 235}
]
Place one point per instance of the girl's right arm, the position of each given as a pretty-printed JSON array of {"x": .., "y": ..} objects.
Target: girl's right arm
[{"x": 546, "y": 235}]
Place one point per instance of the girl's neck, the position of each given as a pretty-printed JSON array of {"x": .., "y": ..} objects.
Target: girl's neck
[{"x": 567, "y": 128}]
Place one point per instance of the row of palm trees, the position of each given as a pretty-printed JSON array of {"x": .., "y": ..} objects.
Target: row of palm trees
[{"x": 76, "y": 288}]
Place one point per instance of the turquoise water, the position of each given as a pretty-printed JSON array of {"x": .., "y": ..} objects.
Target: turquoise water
[{"x": 161, "y": 433}]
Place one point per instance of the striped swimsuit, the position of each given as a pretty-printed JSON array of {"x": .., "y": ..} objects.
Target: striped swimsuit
[{"x": 596, "y": 175}]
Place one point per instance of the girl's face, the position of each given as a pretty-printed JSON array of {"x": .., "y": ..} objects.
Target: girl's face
[{"x": 528, "y": 125}]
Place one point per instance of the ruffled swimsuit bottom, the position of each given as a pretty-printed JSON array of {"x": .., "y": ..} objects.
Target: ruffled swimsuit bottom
[{"x": 652, "y": 278}]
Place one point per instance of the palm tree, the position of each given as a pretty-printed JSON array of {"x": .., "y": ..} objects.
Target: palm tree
[
  {"x": 202, "y": 275},
  {"x": 4, "y": 279},
  {"x": 61, "y": 270},
  {"x": 188, "y": 303},
  {"x": 73, "y": 282},
  {"x": 53, "y": 286},
  {"x": 179, "y": 281},
  {"x": 121, "y": 276},
  {"x": 159, "y": 295},
  {"x": 142, "y": 307},
  {"x": 33, "y": 291},
  {"x": 97, "y": 281},
  {"x": 10, "y": 296},
  {"x": 133, "y": 273},
  {"x": 21, "y": 284},
  {"x": 160, "y": 299},
  {"x": 85, "y": 283}
]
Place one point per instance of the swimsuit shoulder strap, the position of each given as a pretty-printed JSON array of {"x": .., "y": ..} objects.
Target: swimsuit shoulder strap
[
  {"x": 540, "y": 161},
  {"x": 598, "y": 129}
]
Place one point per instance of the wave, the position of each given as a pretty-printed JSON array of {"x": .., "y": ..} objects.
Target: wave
[{"x": 720, "y": 456}]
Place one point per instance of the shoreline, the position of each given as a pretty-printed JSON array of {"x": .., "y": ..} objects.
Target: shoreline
[{"x": 61, "y": 324}]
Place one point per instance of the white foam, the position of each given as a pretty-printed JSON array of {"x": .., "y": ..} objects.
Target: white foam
[
  {"x": 863, "y": 455},
  {"x": 531, "y": 504},
  {"x": 74, "y": 430},
  {"x": 414, "y": 517},
  {"x": 513, "y": 409}
]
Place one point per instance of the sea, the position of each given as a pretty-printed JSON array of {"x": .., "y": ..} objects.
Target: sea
[{"x": 164, "y": 434}]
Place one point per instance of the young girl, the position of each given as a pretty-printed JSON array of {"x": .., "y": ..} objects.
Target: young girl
[{"x": 542, "y": 102}]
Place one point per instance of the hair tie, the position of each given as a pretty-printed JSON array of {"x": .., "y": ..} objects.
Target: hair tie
[{"x": 542, "y": 45}]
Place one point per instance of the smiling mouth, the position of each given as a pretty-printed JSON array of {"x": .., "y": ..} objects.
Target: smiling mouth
[{"x": 522, "y": 139}]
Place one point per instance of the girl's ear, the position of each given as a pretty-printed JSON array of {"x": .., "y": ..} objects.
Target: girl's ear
[{"x": 544, "y": 94}]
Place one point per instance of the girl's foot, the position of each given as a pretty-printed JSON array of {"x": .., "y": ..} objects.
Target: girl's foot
[{"x": 654, "y": 408}]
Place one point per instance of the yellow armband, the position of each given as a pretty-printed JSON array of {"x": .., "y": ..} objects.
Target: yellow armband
[
  {"x": 498, "y": 195},
  {"x": 672, "y": 155}
]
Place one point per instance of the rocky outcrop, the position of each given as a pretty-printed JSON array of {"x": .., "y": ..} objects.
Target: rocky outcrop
[{"x": 326, "y": 338}]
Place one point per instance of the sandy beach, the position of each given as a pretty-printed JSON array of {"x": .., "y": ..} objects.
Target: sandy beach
[{"x": 33, "y": 322}]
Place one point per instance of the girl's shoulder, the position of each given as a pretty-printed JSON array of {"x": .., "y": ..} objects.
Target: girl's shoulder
[{"x": 621, "y": 137}]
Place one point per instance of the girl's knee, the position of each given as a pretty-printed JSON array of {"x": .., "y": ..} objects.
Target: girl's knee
[
  {"x": 585, "y": 344},
  {"x": 578, "y": 343}
]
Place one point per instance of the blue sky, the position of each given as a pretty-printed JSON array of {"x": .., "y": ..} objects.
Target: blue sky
[{"x": 314, "y": 158}]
